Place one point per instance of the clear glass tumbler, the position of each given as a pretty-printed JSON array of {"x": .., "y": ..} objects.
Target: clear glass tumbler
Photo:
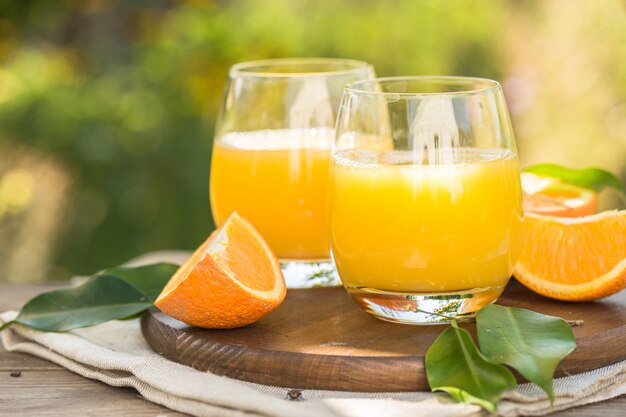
[
  {"x": 426, "y": 202},
  {"x": 272, "y": 152}
]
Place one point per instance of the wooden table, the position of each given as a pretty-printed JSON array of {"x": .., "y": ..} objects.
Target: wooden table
[{"x": 31, "y": 386}]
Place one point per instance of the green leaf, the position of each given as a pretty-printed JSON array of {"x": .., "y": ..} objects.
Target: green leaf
[
  {"x": 149, "y": 279},
  {"x": 531, "y": 343},
  {"x": 118, "y": 293},
  {"x": 454, "y": 365},
  {"x": 593, "y": 178},
  {"x": 100, "y": 299}
]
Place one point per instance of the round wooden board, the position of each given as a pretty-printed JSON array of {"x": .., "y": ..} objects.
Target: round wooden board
[{"x": 320, "y": 339}]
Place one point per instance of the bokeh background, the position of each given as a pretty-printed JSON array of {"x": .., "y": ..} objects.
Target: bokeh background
[{"x": 107, "y": 107}]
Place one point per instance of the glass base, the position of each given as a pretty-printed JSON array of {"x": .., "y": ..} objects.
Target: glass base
[
  {"x": 424, "y": 308},
  {"x": 310, "y": 274}
]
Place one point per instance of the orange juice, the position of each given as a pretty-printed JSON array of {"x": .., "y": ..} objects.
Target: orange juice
[
  {"x": 278, "y": 180},
  {"x": 396, "y": 226}
]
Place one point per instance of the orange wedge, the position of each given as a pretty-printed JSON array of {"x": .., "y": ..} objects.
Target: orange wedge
[
  {"x": 573, "y": 259},
  {"x": 543, "y": 195},
  {"x": 231, "y": 280}
]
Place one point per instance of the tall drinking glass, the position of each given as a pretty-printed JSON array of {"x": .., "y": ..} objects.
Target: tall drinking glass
[
  {"x": 426, "y": 202},
  {"x": 272, "y": 152}
]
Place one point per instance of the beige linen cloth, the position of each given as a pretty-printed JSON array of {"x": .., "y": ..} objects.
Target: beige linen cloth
[{"x": 116, "y": 354}]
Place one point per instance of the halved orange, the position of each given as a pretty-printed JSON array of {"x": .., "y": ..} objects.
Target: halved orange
[
  {"x": 573, "y": 259},
  {"x": 544, "y": 195},
  {"x": 231, "y": 280}
]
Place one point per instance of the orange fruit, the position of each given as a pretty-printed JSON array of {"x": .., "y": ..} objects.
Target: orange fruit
[
  {"x": 543, "y": 195},
  {"x": 573, "y": 259},
  {"x": 231, "y": 280}
]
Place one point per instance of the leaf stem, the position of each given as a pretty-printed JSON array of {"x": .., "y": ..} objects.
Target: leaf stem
[{"x": 7, "y": 324}]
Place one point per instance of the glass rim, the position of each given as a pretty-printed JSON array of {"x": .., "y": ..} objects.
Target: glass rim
[
  {"x": 253, "y": 68},
  {"x": 490, "y": 85}
]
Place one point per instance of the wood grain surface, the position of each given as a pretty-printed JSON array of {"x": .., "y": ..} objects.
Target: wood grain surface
[
  {"x": 44, "y": 389},
  {"x": 319, "y": 339},
  {"x": 33, "y": 387}
]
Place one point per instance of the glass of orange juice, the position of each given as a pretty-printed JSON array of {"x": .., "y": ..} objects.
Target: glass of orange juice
[
  {"x": 272, "y": 152},
  {"x": 426, "y": 202}
]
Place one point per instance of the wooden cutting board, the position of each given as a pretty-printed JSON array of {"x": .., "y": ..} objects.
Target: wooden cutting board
[{"x": 319, "y": 339}]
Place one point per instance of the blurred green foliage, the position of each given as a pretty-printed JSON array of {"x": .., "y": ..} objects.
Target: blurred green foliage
[{"x": 122, "y": 95}]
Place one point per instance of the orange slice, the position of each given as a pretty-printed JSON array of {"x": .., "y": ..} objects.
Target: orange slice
[
  {"x": 574, "y": 259},
  {"x": 549, "y": 196},
  {"x": 231, "y": 280}
]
